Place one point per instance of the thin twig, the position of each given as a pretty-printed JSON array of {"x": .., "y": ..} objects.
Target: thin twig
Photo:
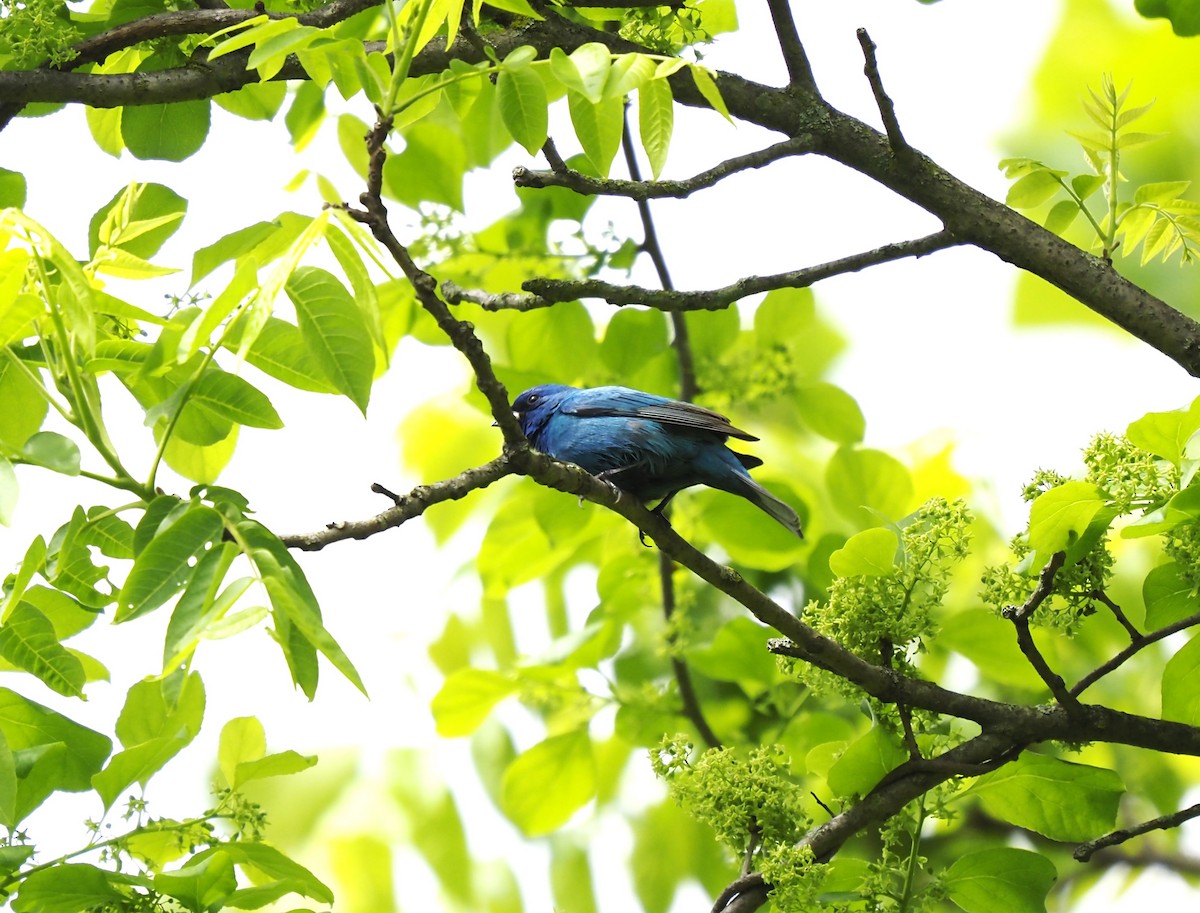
[
  {"x": 1019, "y": 616},
  {"x": 887, "y": 110},
  {"x": 413, "y": 504},
  {"x": 648, "y": 190},
  {"x": 1132, "y": 650},
  {"x": 1164, "y": 822},
  {"x": 800, "y": 74},
  {"x": 1134, "y": 634},
  {"x": 545, "y": 292}
]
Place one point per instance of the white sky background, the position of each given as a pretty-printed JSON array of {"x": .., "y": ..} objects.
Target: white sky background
[{"x": 930, "y": 350}]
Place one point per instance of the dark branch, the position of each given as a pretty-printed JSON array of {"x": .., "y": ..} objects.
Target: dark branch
[
  {"x": 555, "y": 290},
  {"x": 413, "y": 504},
  {"x": 1134, "y": 634},
  {"x": 800, "y": 74},
  {"x": 887, "y": 110},
  {"x": 1020, "y": 615},
  {"x": 1084, "y": 851},
  {"x": 650, "y": 190},
  {"x": 1132, "y": 650}
]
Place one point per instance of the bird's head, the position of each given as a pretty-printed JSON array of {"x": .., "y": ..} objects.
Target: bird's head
[{"x": 533, "y": 407}]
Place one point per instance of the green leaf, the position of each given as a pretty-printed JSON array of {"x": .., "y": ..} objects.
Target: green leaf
[
  {"x": 282, "y": 764},
  {"x": 591, "y": 62},
  {"x": 274, "y": 865},
  {"x": 871, "y": 553},
  {"x": 134, "y": 765},
  {"x": 1184, "y": 15},
  {"x": 1033, "y": 189},
  {"x": 1057, "y": 799},
  {"x": 28, "y": 641},
  {"x": 25, "y": 405},
  {"x": 8, "y": 492},
  {"x": 430, "y": 169},
  {"x": 1165, "y": 433},
  {"x": 708, "y": 88},
  {"x": 627, "y": 73},
  {"x": 65, "y": 888},
  {"x": 171, "y": 132},
  {"x": 599, "y": 126},
  {"x": 633, "y": 337},
  {"x": 12, "y": 189},
  {"x": 148, "y": 215},
  {"x": 571, "y": 886},
  {"x": 202, "y": 885},
  {"x": 53, "y": 451},
  {"x": 56, "y": 752},
  {"x": 865, "y": 762},
  {"x": 1168, "y": 595},
  {"x": 281, "y": 352},
  {"x": 466, "y": 698},
  {"x": 1058, "y": 517},
  {"x": 656, "y": 122},
  {"x": 738, "y": 653},
  {"x": 333, "y": 329},
  {"x": 523, "y": 106},
  {"x": 231, "y": 246},
  {"x": 166, "y": 563},
  {"x": 865, "y": 483},
  {"x": 1000, "y": 880},
  {"x": 1061, "y": 215},
  {"x": 233, "y": 399},
  {"x": 242, "y": 739},
  {"x": 1180, "y": 699},
  {"x": 200, "y": 607},
  {"x": 296, "y": 612},
  {"x": 551, "y": 781},
  {"x": 831, "y": 412}
]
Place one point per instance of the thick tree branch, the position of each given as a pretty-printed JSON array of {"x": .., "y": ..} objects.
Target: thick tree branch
[{"x": 650, "y": 190}]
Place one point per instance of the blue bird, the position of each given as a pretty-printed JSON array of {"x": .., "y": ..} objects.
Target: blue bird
[{"x": 647, "y": 445}]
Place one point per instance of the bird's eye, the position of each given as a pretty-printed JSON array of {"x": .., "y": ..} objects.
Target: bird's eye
[{"x": 533, "y": 399}]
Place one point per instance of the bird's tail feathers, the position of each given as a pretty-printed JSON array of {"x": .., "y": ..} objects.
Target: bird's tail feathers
[{"x": 763, "y": 499}]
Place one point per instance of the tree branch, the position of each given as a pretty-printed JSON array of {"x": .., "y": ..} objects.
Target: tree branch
[
  {"x": 649, "y": 190},
  {"x": 800, "y": 74},
  {"x": 1020, "y": 615},
  {"x": 887, "y": 109},
  {"x": 1085, "y": 851},
  {"x": 555, "y": 290},
  {"x": 413, "y": 504},
  {"x": 1132, "y": 650}
]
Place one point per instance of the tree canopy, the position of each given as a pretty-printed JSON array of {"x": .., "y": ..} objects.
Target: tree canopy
[{"x": 909, "y": 709}]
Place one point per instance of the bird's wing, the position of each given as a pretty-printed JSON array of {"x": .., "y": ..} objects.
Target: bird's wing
[{"x": 626, "y": 403}]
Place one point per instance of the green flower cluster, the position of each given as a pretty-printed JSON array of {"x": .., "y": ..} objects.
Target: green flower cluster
[
  {"x": 1130, "y": 476},
  {"x": 33, "y": 32},
  {"x": 747, "y": 797},
  {"x": 866, "y": 613}
]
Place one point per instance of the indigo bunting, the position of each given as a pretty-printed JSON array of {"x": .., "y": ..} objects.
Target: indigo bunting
[{"x": 647, "y": 445}]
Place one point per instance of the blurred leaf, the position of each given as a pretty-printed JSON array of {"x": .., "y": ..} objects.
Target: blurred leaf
[
  {"x": 571, "y": 877},
  {"x": 866, "y": 483},
  {"x": 53, "y": 451},
  {"x": 831, "y": 412},
  {"x": 466, "y": 698},
  {"x": 172, "y": 132},
  {"x": 1184, "y": 15},
  {"x": 202, "y": 884},
  {"x": 551, "y": 781},
  {"x": 738, "y": 653}
]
